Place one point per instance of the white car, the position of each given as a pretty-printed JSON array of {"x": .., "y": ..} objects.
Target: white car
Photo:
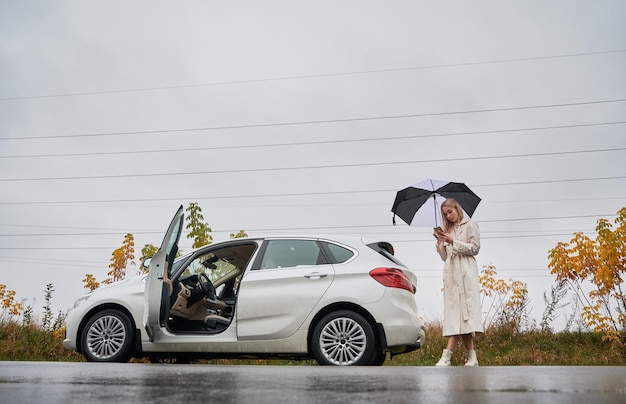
[{"x": 341, "y": 301}]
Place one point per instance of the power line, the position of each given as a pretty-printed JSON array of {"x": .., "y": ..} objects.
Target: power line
[
  {"x": 52, "y": 227},
  {"x": 326, "y": 228},
  {"x": 315, "y": 122},
  {"x": 271, "y": 231},
  {"x": 256, "y": 170},
  {"x": 421, "y": 272},
  {"x": 285, "y": 195},
  {"x": 516, "y": 276},
  {"x": 48, "y": 260},
  {"x": 309, "y": 76},
  {"x": 309, "y": 143},
  {"x": 51, "y": 262},
  {"x": 82, "y": 234}
]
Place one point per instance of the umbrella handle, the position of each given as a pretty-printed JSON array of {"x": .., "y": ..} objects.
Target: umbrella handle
[{"x": 435, "y": 205}]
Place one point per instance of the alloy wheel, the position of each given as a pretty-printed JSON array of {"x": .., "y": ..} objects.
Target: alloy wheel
[
  {"x": 343, "y": 341},
  {"x": 106, "y": 337}
]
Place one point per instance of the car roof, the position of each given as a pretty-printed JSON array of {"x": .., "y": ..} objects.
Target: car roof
[{"x": 348, "y": 239}]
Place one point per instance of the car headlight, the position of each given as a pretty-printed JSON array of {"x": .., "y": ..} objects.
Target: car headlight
[{"x": 81, "y": 299}]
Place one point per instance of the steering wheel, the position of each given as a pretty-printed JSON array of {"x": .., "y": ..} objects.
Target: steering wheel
[{"x": 207, "y": 287}]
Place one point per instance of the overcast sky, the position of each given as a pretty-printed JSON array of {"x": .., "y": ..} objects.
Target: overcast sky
[{"x": 304, "y": 117}]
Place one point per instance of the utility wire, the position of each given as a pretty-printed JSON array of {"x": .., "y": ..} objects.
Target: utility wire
[
  {"x": 256, "y": 170},
  {"x": 286, "y": 195},
  {"x": 325, "y": 228},
  {"x": 314, "y": 122},
  {"x": 309, "y": 143},
  {"x": 188, "y": 248},
  {"x": 309, "y": 76},
  {"x": 78, "y": 264}
]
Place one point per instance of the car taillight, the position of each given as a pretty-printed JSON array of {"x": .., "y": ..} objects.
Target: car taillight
[{"x": 392, "y": 278}]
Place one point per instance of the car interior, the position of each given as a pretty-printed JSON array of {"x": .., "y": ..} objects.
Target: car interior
[{"x": 203, "y": 293}]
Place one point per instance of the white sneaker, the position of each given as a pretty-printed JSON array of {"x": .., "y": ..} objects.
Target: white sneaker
[
  {"x": 445, "y": 358},
  {"x": 472, "y": 360}
]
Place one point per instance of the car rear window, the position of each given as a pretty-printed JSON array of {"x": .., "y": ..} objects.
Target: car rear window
[
  {"x": 386, "y": 250},
  {"x": 336, "y": 253}
]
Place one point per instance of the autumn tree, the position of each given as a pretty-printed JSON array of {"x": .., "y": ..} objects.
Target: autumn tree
[
  {"x": 120, "y": 259},
  {"x": 507, "y": 301},
  {"x": 241, "y": 234},
  {"x": 601, "y": 264},
  {"x": 198, "y": 230},
  {"x": 148, "y": 250},
  {"x": 90, "y": 282},
  {"x": 9, "y": 306}
]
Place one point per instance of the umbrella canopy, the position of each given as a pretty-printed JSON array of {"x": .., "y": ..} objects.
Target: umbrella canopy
[{"x": 420, "y": 204}]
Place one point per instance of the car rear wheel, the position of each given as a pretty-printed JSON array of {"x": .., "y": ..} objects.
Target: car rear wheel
[
  {"x": 344, "y": 338},
  {"x": 379, "y": 359},
  {"x": 108, "y": 337}
]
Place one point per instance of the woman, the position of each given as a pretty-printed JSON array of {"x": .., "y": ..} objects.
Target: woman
[{"x": 457, "y": 245}]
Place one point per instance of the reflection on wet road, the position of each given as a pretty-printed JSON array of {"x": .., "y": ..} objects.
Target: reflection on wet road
[{"x": 54, "y": 382}]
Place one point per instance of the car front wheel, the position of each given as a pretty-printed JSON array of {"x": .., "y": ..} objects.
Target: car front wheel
[
  {"x": 344, "y": 338},
  {"x": 108, "y": 337}
]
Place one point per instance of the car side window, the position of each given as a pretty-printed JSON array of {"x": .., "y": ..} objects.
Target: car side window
[
  {"x": 336, "y": 253},
  {"x": 292, "y": 253}
]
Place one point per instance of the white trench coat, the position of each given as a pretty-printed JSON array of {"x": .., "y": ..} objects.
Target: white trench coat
[{"x": 461, "y": 283}]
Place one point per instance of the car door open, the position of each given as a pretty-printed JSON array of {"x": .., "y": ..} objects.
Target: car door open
[{"x": 157, "y": 286}]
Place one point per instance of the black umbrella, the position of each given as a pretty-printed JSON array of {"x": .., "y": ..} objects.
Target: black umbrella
[{"x": 420, "y": 205}]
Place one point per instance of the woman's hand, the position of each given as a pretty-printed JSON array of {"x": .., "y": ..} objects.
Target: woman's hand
[
  {"x": 439, "y": 237},
  {"x": 445, "y": 237}
]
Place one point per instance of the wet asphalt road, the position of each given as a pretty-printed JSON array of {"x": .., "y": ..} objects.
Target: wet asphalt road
[{"x": 58, "y": 382}]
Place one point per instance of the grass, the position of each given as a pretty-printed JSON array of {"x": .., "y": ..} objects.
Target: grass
[
  {"x": 27, "y": 343},
  {"x": 502, "y": 347},
  {"x": 497, "y": 347}
]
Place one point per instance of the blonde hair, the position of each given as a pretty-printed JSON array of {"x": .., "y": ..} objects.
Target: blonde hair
[{"x": 454, "y": 204}]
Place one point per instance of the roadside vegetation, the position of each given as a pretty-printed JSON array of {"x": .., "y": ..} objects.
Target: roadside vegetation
[
  {"x": 497, "y": 347},
  {"x": 588, "y": 283}
]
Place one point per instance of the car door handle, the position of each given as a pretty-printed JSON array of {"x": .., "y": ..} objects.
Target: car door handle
[{"x": 315, "y": 275}]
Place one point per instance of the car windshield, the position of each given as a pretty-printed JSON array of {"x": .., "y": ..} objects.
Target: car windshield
[
  {"x": 179, "y": 261},
  {"x": 209, "y": 264}
]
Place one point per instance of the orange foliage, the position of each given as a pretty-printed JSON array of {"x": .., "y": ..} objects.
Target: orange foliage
[
  {"x": 9, "y": 305},
  {"x": 602, "y": 263},
  {"x": 91, "y": 283},
  {"x": 507, "y": 300},
  {"x": 120, "y": 259}
]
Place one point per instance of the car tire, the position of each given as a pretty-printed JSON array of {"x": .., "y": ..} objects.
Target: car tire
[
  {"x": 379, "y": 359},
  {"x": 108, "y": 337},
  {"x": 344, "y": 338}
]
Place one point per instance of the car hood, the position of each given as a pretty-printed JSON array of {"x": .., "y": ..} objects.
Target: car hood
[{"x": 134, "y": 282}]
